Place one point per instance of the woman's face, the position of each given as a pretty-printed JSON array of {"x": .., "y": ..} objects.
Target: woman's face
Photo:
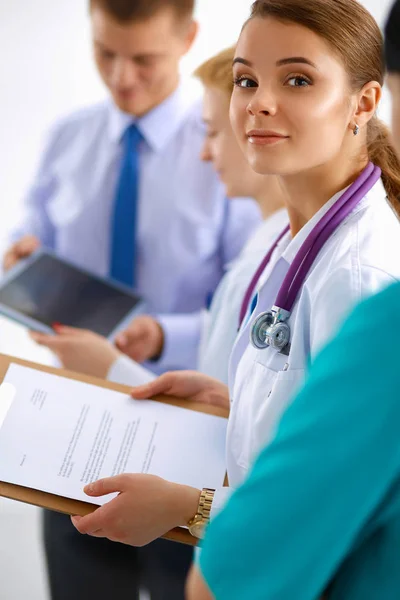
[
  {"x": 394, "y": 86},
  {"x": 221, "y": 147},
  {"x": 291, "y": 106}
]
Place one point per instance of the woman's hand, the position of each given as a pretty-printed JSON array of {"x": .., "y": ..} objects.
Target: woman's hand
[
  {"x": 191, "y": 385},
  {"x": 146, "y": 508},
  {"x": 80, "y": 350},
  {"x": 142, "y": 340}
]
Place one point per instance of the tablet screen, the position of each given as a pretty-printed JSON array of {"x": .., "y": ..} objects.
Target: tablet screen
[{"x": 51, "y": 291}]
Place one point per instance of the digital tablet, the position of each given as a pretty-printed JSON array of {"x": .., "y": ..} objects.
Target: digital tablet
[{"x": 44, "y": 289}]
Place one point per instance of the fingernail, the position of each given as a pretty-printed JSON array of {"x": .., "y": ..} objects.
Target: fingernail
[
  {"x": 56, "y": 326},
  {"x": 88, "y": 489}
]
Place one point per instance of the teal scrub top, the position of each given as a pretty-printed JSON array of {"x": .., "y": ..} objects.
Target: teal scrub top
[{"x": 320, "y": 510}]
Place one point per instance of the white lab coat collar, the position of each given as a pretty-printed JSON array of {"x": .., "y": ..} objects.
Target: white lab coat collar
[
  {"x": 288, "y": 248},
  {"x": 276, "y": 219},
  {"x": 158, "y": 125}
]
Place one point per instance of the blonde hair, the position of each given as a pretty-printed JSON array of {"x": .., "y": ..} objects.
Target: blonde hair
[{"x": 217, "y": 71}]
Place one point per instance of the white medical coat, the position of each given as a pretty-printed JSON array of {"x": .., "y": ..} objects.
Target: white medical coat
[{"x": 361, "y": 258}]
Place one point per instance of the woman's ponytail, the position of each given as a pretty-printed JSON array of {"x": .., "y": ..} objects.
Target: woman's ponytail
[{"x": 381, "y": 152}]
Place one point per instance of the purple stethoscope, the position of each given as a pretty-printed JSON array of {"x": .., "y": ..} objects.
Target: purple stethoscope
[{"x": 271, "y": 327}]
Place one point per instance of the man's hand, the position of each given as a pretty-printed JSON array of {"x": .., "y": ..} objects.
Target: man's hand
[
  {"x": 80, "y": 350},
  {"x": 191, "y": 385},
  {"x": 142, "y": 340},
  {"x": 21, "y": 249},
  {"x": 146, "y": 508}
]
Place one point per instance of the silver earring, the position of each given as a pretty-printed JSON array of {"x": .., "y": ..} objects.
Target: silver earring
[{"x": 356, "y": 130}]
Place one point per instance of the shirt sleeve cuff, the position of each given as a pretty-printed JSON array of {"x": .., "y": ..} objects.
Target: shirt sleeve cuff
[
  {"x": 128, "y": 372},
  {"x": 181, "y": 341}
]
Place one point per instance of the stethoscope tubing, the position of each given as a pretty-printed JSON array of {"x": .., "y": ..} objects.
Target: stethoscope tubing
[
  {"x": 257, "y": 275},
  {"x": 326, "y": 227},
  {"x": 313, "y": 244}
]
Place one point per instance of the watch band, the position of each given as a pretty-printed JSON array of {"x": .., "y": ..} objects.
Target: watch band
[
  {"x": 198, "y": 524},
  {"x": 205, "y": 503}
]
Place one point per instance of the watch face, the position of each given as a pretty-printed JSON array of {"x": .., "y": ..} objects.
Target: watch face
[{"x": 197, "y": 529}]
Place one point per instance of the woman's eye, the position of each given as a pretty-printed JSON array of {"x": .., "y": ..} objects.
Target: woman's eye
[
  {"x": 298, "y": 81},
  {"x": 107, "y": 55},
  {"x": 244, "y": 82},
  {"x": 145, "y": 61}
]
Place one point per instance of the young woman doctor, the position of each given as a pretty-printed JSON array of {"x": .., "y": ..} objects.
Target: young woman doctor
[
  {"x": 308, "y": 76},
  {"x": 328, "y": 486}
]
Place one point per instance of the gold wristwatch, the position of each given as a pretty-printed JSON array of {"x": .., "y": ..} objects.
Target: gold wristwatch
[{"x": 198, "y": 524}]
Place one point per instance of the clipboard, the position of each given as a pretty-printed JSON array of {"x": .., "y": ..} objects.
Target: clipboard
[{"x": 77, "y": 507}]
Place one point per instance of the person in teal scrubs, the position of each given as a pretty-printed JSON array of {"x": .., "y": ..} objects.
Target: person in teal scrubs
[{"x": 319, "y": 514}]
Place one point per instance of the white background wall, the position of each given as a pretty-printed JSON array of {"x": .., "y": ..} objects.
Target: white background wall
[{"x": 46, "y": 70}]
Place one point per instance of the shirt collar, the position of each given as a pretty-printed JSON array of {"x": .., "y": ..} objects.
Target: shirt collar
[{"x": 158, "y": 125}]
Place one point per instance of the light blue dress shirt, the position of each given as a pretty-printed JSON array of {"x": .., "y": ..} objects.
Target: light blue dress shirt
[
  {"x": 187, "y": 230},
  {"x": 320, "y": 510}
]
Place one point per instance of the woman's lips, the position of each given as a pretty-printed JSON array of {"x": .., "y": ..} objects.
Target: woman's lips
[{"x": 265, "y": 138}]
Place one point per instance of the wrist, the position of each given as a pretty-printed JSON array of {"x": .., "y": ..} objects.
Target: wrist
[
  {"x": 159, "y": 342},
  {"x": 186, "y": 503},
  {"x": 219, "y": 396}
]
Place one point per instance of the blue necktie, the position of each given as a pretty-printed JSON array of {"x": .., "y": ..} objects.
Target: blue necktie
[{"x": 123, "y": 249}]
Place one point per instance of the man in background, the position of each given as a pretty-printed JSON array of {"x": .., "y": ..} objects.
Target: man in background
[{"x": 121, "y": 191}]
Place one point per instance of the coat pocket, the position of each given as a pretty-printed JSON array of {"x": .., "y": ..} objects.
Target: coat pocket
[{"x": 264, "y": 397}]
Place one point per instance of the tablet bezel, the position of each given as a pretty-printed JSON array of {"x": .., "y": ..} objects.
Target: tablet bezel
[{"x": 36, "y": 325}]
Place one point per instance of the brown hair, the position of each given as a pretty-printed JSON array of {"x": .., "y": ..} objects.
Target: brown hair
[
  {"x": 217, "y": 71},
  {"x": 355, "y": 36},
  {"x": 131, "y": 10}
]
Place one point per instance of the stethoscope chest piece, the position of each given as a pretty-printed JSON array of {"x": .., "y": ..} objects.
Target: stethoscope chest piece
[
  {"x": 259, "y": 331},
  {"x": 268, "y": 330}
]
